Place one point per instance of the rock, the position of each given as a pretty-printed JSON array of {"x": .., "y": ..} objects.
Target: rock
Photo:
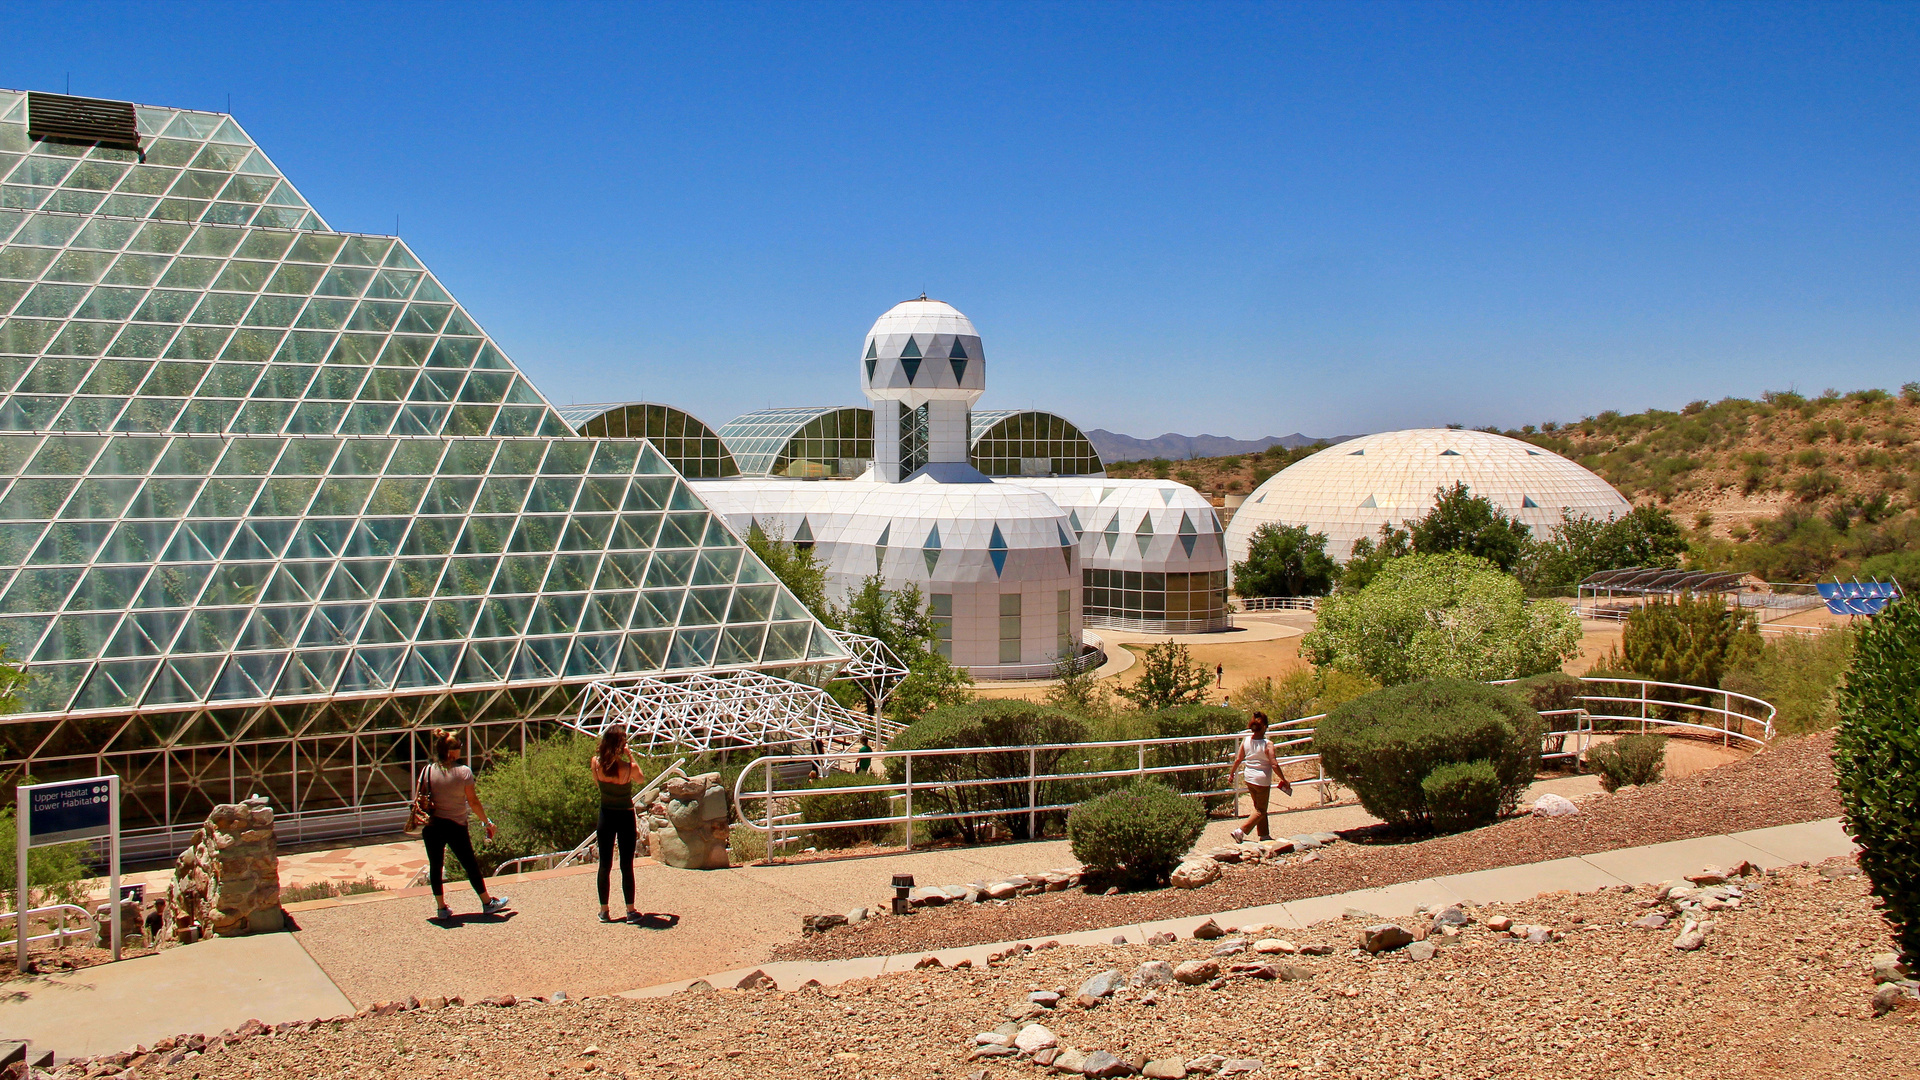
[
  {"x": 1305, "y": 843},
  {"x": 958, "y": 893},
  {"x": 1327, "y": 837},
  {"x": 1101, "y": 1063},
  {"x": 1209, "y": 930},
  {"x": 1887, "y": 968},
  {"x": 505, "y": 1001},
  {"x": 1151, "y": 973},
  {"x": 1452, "y": 915},
  {"x": 1691, "y": 938},
  {"x": 1275, "y": 945},
  {"x": 1709, "y": 875},
  {"x": 1008, "y": 1029},
  {"x": 1230, "y": 946},
  {"x": 433, "y": 1004},
  {"x": 1119, "y": 939},
  {"x": 927, "y": 962},
  {"x": 697, "y": 984},
  {"x": 1539, "y": 935},
  {"x": 1195, "y": 972},
  {"x": 1384, "y": 937},
  {"x": 927, "y": 896},
  {"x": 1024, "y": 1011},
  {"x": 991, "y": 1051},
  {"x": 227, "y": 881},
  {"x": 1839, "y": 870},
  {"x": 1886, "y": 998},
  {"x": 1195, "y": 873},
  {"x": 1499, "y": 924},
  {"x": 690, "y": 829},
  {"x": 1046, "y": 999},
  {"x": 1003, "y": 890},
  {"x": 1162, "y": 938},
  {"x": 859, "y": 914},
  {"x": 1165, "y": 1069},
  {"x": 1254, "y": 971},
  {"x": 1743, "y": 868},
  {"x": 1421, "y": 950},
  {"x": 1224, "y": 854},
  {"x": 819, "y": 924},
  {"x": 1206, "y": 1063},
  {"x": 1316, "y": 950},
  {"x": 1069, "y": 1060},
  {"x": 1652, "y": 920},
  {"x": 1100, "y": 986},
  {"x": 992, "y": 1038},
  {"x": 1295, "y": 973},
  {"x": 1045, "y": 1057},
  {"x": 1034, "y": 1038},
  {"x": 1239, "y": 1066},
  {"x": 1276, "y": 847},
  {"x": 755, "y": 980},
  {"x": 1551, "y": 805}
]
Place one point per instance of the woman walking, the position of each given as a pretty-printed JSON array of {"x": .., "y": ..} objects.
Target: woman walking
[
  {"x": 1262, "y": 770},
  {"x": 449, "y": 784},
  {"x": 616, "y": 773}
]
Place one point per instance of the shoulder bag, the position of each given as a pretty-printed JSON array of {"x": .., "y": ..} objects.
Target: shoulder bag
[{"x": 422, "y": 805}]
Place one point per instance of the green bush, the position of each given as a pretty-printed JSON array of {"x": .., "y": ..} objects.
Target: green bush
[
  {"x": 1384, "y": 745},
  {"x": 1800, "y": 674},
  {"x": 1549, "y": 691},
  {"x": 1629, "y": 760},
  {"x": 1688, "y": 640},
  {"x": 1135, "y": 836},
  {"x": 1194, "y": 723},
  {"x": 982, "y": 723},
  {"x": 1462, "y": 795},
  {"x": 55, "y": 873},
  {"x": 847, "y": 806},
  {"x": 1876, "y": 759},
  {"x": 542, "y": 800}
]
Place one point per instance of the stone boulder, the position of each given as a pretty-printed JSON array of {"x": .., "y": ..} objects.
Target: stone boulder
[
  {"x": 689, "y": 830},
  {"x": 227, "y": 882},
  {"x": 1551, "y": 805},
  {"x": 1194, "y": 873},
  {"x": 1384, "y": 937}
]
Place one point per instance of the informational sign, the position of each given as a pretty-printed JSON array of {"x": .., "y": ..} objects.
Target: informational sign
[
  {"x": 61, "y": 813},
  {"x": 73, "y": 810}
]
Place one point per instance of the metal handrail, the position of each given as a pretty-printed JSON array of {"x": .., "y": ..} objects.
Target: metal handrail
[
  {"x": 1278, "y": 603},
  {"x": 1298, "y": 732},
  {"x": 63, "y": 934}
]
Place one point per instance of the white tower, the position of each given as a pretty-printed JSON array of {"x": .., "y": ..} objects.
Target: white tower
[{"x": 923, "y": 369}]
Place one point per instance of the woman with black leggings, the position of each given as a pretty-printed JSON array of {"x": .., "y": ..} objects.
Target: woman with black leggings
[
  {"x": 615, "y": 772},
  {"x": 450, "y": 786}
]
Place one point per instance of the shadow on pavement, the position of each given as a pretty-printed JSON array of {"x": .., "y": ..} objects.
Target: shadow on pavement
[
  {"x": 471, "y": 917},
  {"x": 656, "y": 920}
]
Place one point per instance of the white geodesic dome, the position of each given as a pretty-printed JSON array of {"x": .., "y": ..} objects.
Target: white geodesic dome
[{"x": 1350, "y": 489}]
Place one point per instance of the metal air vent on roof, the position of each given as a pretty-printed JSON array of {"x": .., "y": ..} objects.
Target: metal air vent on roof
[{"x": 78, "y": 119}]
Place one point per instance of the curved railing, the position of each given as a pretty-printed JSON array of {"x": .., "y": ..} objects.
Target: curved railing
[{"x": 1622, "y": 704}]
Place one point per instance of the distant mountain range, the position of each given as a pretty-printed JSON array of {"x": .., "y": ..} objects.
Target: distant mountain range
[{"x": 1116, "y": 447}]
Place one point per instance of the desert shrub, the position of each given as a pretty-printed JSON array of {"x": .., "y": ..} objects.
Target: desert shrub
[
  {"x": 1549, "y": 690},
  {"x": 1876, "y": 759},
  {"x": 745, "y": 844},
  {"x": 1303, "y": 692},
  {"x": 1800, "y": 674},
  {"x": 1168, "y": 677},
  {"x": 323, "y": 890},
  {"x": 982, "y": 723},
  {"x": 847, "y": 806},
  {"x": 1629, "y": 760},
  {"x": 1134, "y": 836},
  {"x": 1462, "y": 795},
  {"x": 1688, "y": 640},
  {"x": 1385, "y": 744},
  {"x": 1195, "y": 722}
]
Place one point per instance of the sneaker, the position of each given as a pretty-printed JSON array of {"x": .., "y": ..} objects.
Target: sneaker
[
  {"x": 1237, "y": 835},
  {"x": 494, "y": 906},
  {"x": 445, "y": 913}
]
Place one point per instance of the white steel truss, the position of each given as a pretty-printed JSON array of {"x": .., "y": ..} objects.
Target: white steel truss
[
  {"x": 719, "y": 710},
  {"x": 873, "y": 668}
]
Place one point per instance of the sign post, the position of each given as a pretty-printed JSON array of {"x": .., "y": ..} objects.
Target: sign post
[{"x": 61, "y": 813}]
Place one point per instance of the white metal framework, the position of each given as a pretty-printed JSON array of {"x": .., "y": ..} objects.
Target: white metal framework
[
  {"x": 715, "y": 711},
  {"x": 873, "y": 668}
]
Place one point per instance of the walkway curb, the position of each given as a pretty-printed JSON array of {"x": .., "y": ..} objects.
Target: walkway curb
[{"x": 1770, "y": 848}]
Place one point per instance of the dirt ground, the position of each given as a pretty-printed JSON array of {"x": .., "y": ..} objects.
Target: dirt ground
[{"x": 1780, "y": 988}]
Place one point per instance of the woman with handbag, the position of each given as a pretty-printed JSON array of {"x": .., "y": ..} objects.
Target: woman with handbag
[
  {"x": 614, "y": 770},
  {"x": 443, "y": 794},
  {"x": 1261, "y": 773}
]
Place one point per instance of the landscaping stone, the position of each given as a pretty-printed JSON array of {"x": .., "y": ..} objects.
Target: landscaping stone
[
  {"x": 1194, "y": 873},
  {"x": 1165, "y": 1069},
  {"x": 1887, "y": 968},
  {"x": 1709, "y": 875},
  {"x": 1101, "y": 1063},
  {"x": 927, "y": 896},
  {"x": 859, "y": 914},
  {"x": 1100, "y": 986},
  {"x": 1316, "y": 950},
  {"x": 1151, "y": 973},
  {"x": 1229, "y": 946},
  {"x": 1276, "y": 847},
  {"x": 1295, "y": 973},
  {"x": 760, "y": 980},
  {"x": 1205, "y": 1063},
  {"x": 1162, "y": 938},
  {"x": 1553, "y": 806},
  {"x": 1025, "y": 1011},
  {"x": 1195, "y": 972},
  {"x": 692, "y": 834},
  {"x": 1305, "y": 843},
  {"x": 1499, "y": 924},
  {"x": 819, "y": 924},
  {"x": 1228, "y": 854},
  {"x": 1275, "y": 945},
  {"x": 1002, "y": 890},
  {"x": 1692, "y": 936},
  {"x": 1384, "y": 937},
  {"x": 227, "y": 881},
  {"x": 1034, "y": 1038},
  {"x": 1046, "y": 999},
  {"x": 1452, "y": 915},
  {"x": 1239, "y": 1066},
  {"x": 1539, "y": 935},
  {"x": 1208, "y": 931},
  {"x": 992, "y": 1038},
  {"x": 991, "y": 1051},
  {"x": 1653, "y": 920},
  {"x": 1886, "y": 998},
  {"x": 1255, "y": 971},
  {"x": 1420, "y": 950}
]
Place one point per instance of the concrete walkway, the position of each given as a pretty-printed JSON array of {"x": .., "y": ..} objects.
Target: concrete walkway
[
  {"x": 208, "y": 987},
  {"x": 1782, "y": 845}
]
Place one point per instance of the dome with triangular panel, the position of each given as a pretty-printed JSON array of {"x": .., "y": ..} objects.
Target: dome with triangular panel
[{"x": 922, "y": 350}]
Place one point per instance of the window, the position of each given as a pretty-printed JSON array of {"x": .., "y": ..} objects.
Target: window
[
  {"x": 940, "y": 609},
  {"x": 1009, "y": 628},
  {"x": 1063, "y": 616}
]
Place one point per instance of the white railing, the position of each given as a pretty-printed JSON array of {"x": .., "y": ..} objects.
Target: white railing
[
  {"x": 61, "y": 934},
  {"x": 1278, "y": 603},
  {"x": 1086, "y": 660},
  {"x": 1161, "y": 626},
  {"x": 1645, "y": 705}
]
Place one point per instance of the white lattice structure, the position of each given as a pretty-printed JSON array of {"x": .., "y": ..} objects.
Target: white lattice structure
[
  {"x": 873, "y": 668},
  {"x": 719, "y": 710}
]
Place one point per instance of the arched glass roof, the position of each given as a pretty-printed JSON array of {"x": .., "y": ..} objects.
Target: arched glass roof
[
  {"x": 817, "y": 441},
  {"x": 1027, "y": 442},
  {"x": 682, "y": 438}
]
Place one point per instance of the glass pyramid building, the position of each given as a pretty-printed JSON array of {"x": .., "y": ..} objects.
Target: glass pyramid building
[{"x": 271, "y": 502}]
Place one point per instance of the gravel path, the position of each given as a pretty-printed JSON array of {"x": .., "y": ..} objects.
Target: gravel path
[
  {"x": 1790, "y": 782},
  {"x": 1781, "y": 989}
]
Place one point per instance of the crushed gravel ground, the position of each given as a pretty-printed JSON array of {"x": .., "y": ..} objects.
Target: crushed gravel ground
[
  {"x": 1790, "y": 782},
  {"x": 1781, "y": 988}
]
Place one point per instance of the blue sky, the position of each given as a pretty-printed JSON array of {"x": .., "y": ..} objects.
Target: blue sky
[{"x": 1224, "y": 218}]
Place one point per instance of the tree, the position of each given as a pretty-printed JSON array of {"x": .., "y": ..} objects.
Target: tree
[
  {"x": 1079, "y": 691},
  {"x": 798, "y": 568},
  {"x": 1876, "y": 763},
  {"x": 1370, "y": 555},
  {"x": 1580, "y": 546},
  {"x": 901, "y": 621},
  {"x": 1467, "y": 523},
  {"x": 1285, "y": 560},
  {"x": 1168, "y": 677},
  {"x": 1441, "y": 616},
  {"x": 1690, "y": 639}
]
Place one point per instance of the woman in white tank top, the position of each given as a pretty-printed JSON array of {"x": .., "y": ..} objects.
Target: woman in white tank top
[{"x": 1261, "y": 771}]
